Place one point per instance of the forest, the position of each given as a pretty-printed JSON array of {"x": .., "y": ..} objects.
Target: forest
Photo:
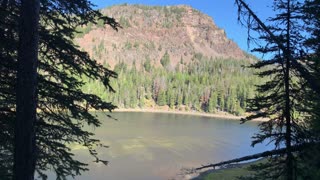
[{"x": 204, "y": 85}]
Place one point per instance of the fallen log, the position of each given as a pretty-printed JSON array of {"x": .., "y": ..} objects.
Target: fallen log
[{"x": 251, "y": 157}]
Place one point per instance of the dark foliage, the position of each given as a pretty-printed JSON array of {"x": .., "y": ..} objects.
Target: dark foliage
[
  {"x": 63, "y": 109},
  {"x": 283, "y": 99}
]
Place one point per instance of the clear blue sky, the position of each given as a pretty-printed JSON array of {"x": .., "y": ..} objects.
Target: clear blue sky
[{"x": 223, "y": 12}]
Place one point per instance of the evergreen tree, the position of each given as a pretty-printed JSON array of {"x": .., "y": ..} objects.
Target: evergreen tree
[
  {"x": 290, "y": 99},
  {"x": 26, "y": 96},
  {"x": 213, "y": 102},
  {"x": 162, "y": 100},
  {"x": 186, "y": 99},
  {"x": 147, "y": 65},
  {"x": 63, "y": 107},
  {"x": 310, "y": 156},
  {"x": 221, "y": 102},
  {"x": 165, "y": 60},
  {"x": 179, "y": 99},
  {"x": 171, "y": 98},
  {"x": 279, "y": 99}
]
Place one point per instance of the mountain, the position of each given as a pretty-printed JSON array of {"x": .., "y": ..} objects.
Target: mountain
[
  {"x": 151, "y": 31},
  {"x": 169, "y": 57}
]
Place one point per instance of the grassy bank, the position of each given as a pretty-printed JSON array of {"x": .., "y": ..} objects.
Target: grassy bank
[{"x": 231, "y": 172}]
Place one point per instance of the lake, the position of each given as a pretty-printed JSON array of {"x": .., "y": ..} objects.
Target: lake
[{"x": 155, "y": 146}]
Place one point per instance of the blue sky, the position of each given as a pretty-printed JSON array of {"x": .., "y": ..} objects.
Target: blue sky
[{"x": 223, "y": 12}]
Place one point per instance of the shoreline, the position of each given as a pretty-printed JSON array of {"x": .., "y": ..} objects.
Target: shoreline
[
  {"x": 202, "y": 174},
  {"x": 222, "y": 115}
]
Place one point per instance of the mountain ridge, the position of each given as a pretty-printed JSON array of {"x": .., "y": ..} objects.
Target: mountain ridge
[{"x": 150, "y": 32}]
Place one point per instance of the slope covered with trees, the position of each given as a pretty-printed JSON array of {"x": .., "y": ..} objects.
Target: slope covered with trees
[
  {"x": 204, "y": 85},
  {"x": 170, "y": 56}
]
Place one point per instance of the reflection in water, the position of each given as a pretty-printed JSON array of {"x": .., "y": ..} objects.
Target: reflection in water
[{"x": 156, "y": 146}]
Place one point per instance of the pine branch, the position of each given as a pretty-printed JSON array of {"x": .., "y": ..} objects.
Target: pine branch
[{"x": 302, "y": 70}]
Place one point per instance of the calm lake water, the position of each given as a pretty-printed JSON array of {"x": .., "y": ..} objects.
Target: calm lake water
[{"x": 155, "y": 146}]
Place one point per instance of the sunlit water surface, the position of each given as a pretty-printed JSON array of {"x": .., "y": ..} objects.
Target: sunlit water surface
[{"x": 156, "y": 146}]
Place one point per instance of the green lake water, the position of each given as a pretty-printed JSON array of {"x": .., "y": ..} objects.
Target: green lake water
[{"x": 156, "y": 146}]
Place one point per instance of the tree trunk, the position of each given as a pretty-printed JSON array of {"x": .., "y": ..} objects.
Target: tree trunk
[
  {"x": 288, "y": 118},
  {"x": 25, "y": 148}
]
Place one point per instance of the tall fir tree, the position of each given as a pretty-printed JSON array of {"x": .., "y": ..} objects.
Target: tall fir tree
[
  {"x": 310, "y": 156},
  {"x": 290, "y": 99},
  {"x": 26, "y": 91},
  {"x": 281, "y": 98},
  {"x": 63, "y": 109}
]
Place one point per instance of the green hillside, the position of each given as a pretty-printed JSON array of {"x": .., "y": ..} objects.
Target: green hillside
[{"x": 204, "y": 85}]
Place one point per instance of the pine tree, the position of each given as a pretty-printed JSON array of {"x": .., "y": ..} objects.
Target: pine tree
[
  {"x": 179, "y": 99},
  {"x": 310, "y": 156},
  {"x": 63, "y": 107},
  {"x": 165, "y": 60},
  {"x": 147, "y": 65},
  {"x": 290, "y": 98},
  {"x": 26, "y": 96},
  {"x": 162, "y": 100},
  {"x": 171, "y": 99},
  {"x": 213, "y": 102},
  {"x": 279, "y": 99}
]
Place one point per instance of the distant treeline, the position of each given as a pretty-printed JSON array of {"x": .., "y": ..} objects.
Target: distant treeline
[{"x": 204, "y": 85}]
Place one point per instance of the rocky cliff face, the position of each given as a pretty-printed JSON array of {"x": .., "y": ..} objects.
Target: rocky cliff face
[{"x": 151, "y": 31}]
